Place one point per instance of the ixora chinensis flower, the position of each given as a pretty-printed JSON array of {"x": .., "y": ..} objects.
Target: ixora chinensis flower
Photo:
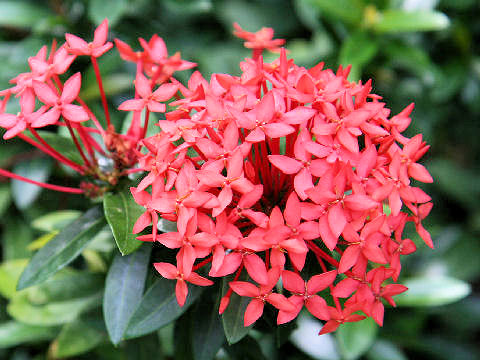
[{"x": 297, "y": 178}]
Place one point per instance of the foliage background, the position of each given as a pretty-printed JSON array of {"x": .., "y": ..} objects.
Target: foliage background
[{"x": 430, "y": 56}]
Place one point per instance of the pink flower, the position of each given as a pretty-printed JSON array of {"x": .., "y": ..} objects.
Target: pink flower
[{"x": 96, "y": 48}]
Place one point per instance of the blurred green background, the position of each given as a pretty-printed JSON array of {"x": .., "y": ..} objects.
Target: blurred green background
[{"x": 422, "y": 51}]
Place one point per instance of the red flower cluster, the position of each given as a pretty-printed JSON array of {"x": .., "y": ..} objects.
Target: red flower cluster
[
  {"x": 265, "y": 172},
  {"x": 56, "y": 106},
  {"x": 263, "y": 169}
]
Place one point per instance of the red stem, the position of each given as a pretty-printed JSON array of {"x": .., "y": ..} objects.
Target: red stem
[
  {"x": 203, "y": 263},
  {"x": 44, "y": 185},
  {"x": 77, "y": 144},
  {"x": 100, "y": 87},
  {"x": 53, "y": 153}
]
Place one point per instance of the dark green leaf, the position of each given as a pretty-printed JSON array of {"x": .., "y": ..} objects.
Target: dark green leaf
[
  {"x": 357, "y": 51},
  {"x": 122, "y": 212},
  {"x": 144, "y": 348},
  {"x": 208, "y": 336},
  {"x": 111, "y": 9},
  {"x": 232, "y": 318},
  {"x": 182, "y": 337},
  {"x": 14, "y": 333},
  {"x": 349, "y": 11},
  {"x": 21, "y": 14},
  {"x": 36, "y": 169},
  {"x": 123, "y": 290},
  {"x": 76, "y": 338},
  {"x": 392, "y": 21},
  {"x": 5, "y": 198},
  {"x": 64, "y": 248},
  {"x": 159, "y": 307},
  {"x": 53, "y": 313},
  {"x": 55, "y": 220},
  {"x": 432, "y": 291},
  {"x": 247, "y": 349},
  {"x": 354, "y": 339}
]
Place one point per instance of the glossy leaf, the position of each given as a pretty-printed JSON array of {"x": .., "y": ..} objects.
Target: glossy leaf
[
  {"x": 76, "y": 338},
  {"x": 40, "y": 242},
  {"x": 13, "y": 333},
  {"x": 355, "y": 338},
  {"x": 208, "y": 336},
  {"x": 55, "y": 220},
  {"x": 159, "y": 307},
  {"x": 123, "y": 290},
  {"x": 432, "y": 291},
  {"x": 24, "y": 193},
  {"x": 393, "y": 21},
  {"x": 232, "y": 318},
  {"x": 63, "y": 249},
  {"x": 121, "y": 212}
]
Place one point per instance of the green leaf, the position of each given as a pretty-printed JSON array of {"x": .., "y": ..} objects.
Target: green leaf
[
  {"x": 111, "y": 9},
  {"x": 166, "y": 225},
  {"x": 432, "y": 291},
  {"x": 355, "y": 338},
  {"x": 123, "y": 290},
  {"x": 75, "y": 338},
  {"x": 66, "y": 284},
  {"x": 63, "y": 249},
  {"x": 393, "y": 21},
  {"x": 182, "y": 338},
  {"x": 21, "y": 14},
  {"x": 53, "y": 313},
  {"x": 349, "y": 11},
  {"x": 208, "y": 336},
  {"x": 55, "y": 220},
  {"x": 232, "y": 317},
  {"x": 41, "y": 241},
  {"x": 5, "y": 198},
  {"x": 159, "y": 307},
  {"x": 14, "y": 333},
  {"x": 25, "y": 193},
  {"x": 10, "y": 272},
  {"x": 358, "y": 50},
  {"x": 122, "y": 212},
  {"x": 247, "y": 349}
]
